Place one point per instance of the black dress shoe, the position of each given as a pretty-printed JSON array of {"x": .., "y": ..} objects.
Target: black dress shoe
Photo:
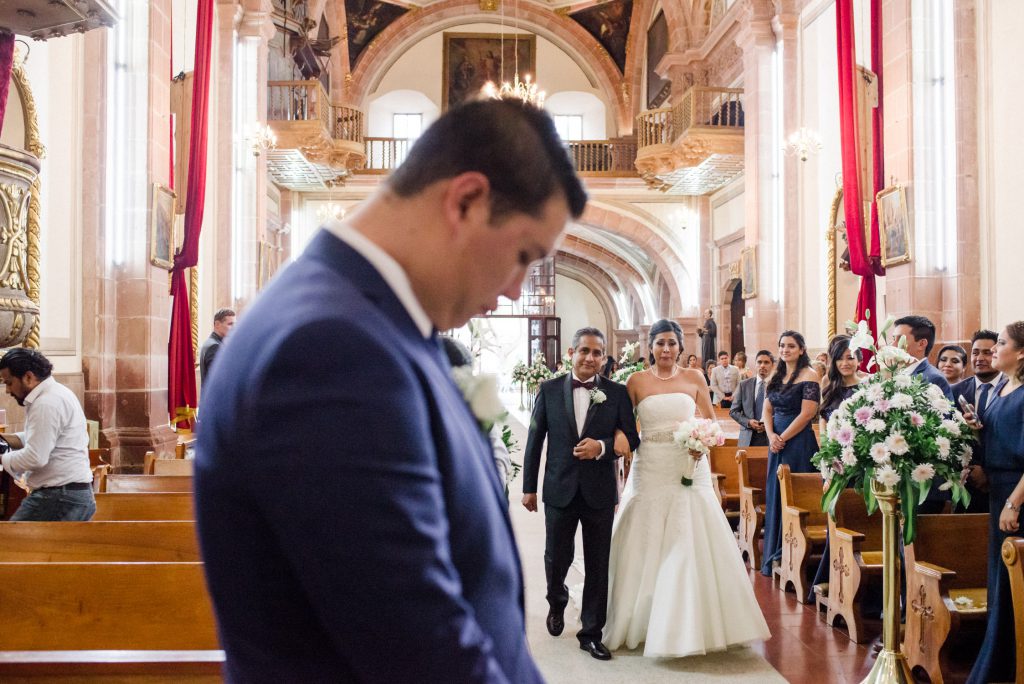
[
  {"x": 596, "y": 649},
  {"x": 555, "y": 622}
]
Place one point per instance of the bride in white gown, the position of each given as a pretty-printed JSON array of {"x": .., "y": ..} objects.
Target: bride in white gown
[{"x": 677, "y": 582}]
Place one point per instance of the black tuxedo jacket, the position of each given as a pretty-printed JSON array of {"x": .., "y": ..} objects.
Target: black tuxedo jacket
[{"x": 554, "y": 417}]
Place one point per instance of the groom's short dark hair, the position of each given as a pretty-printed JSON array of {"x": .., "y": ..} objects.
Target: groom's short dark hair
[
  {"x": 514, "y": 144},
  {"x": 583, "y": 332}
]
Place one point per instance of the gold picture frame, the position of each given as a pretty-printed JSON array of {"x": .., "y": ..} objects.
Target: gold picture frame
[
  {"x": 161, "y": 227},
  {"x": 893, "y": 226},
  {"x": 469, "y": 60},
  {"x": 748, "y": 273},
  {"x": 266, "y": 265}
]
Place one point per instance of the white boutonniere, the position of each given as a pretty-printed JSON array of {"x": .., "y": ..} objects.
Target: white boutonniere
[
  {"x": 481, "y": 394},
  {"x": 597, "y": 396}
]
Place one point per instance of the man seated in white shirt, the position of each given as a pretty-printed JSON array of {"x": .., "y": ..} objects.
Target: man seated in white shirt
[
  {"x": 51, "y": 456},
  {"x": 725, "y": 378}
]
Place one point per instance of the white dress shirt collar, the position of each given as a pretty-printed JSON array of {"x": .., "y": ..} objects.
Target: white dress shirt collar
[
  {"x": 39, "y": 389},
  {"x": 390, "y": 270}
]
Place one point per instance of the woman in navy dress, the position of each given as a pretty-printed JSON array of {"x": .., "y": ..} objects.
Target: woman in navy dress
[
  {"x": 840, "y": 383},
  {"x": 791, "y": 404},
  {"x": 1003, "y": 437}
]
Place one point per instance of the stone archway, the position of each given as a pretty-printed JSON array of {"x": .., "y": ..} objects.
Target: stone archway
[{"x": 731, "y": 329}]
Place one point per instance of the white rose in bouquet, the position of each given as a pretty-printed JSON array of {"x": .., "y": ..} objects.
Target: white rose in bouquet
[{"x": 696, "y": 436}]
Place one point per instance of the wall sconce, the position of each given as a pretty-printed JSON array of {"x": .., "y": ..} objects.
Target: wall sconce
[
  {"x": 802, "y": 143},
  {"x": 261, "y": 139}
]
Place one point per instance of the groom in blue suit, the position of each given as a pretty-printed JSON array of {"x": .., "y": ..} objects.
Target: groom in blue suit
[{"x": 349, "y": 511}]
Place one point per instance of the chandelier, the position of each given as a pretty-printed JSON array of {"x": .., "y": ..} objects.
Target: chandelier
[
  {"x": 330, "y": 212},
  {"x": 260, "y": 139},
  {"x": 802, "y": 143},
  {"x": 526, "y": 90}
]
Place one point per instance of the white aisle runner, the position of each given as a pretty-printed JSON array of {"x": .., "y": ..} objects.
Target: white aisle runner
[{"x": 562, "y": 661}]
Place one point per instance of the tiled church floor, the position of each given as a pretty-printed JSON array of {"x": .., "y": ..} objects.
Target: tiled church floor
[{"x": 804, "y": 649}]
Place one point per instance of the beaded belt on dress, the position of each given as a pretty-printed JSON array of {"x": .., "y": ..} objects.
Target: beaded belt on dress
[{"x": 658, "y": 436}]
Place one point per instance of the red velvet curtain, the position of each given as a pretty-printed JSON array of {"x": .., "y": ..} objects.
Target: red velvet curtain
[
  {"x": 864, "y": 259},
  {"x": 181, "y": 374},
  {"x": 6, "y": 63}
]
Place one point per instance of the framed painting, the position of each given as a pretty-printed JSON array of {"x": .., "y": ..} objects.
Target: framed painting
[
  {"x": 161, "y": 227},
  {"x": 472, "y": 59},
  {"x": 608, "y": 22},
  {"x": 893, "y": 225},
  {"x": 266, "y": 265},
  {"x": 658, "y": 88},
  {"x": 748, "y": 273}
]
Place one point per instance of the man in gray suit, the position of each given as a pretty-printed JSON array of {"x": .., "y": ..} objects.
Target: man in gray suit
[{"x": 748, "y": 403}]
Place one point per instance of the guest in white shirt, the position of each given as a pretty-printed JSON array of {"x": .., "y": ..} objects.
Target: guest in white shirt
[
  {"x": 725, "y": 378},
  {"x": 51, "y": 456}
]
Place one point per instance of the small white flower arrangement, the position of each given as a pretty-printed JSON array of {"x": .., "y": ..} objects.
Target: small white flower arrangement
[
  {"x": 597, "y": 396},
  {"x": 896, "y": 430},
  {"x": 481, "y": 394},
  {"x": 627, "y": 364},
  {"x": 696, "y": 436}
]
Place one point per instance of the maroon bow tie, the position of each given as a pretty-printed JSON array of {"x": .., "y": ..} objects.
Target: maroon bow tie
[{"x": 588, "y": 385}]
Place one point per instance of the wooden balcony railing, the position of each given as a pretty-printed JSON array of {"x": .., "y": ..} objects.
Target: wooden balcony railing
[
  {"x": 700, "y": 107},
  {"x": 604, "y": 157},
  {"x": 308, "y": 101},
  {"x": 385, "y": 154}
]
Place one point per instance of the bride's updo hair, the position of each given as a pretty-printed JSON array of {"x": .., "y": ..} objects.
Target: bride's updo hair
[{"x": 663, "y": 326}]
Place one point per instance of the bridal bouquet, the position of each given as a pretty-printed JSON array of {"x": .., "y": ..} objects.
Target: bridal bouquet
[
  {"x": 697, "y": 435},
  {"x": 898, "y": 431}
]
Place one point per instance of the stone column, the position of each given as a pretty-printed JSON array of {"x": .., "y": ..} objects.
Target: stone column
[
  {"x": 785, "y": 26},
  {"x": 221, "y": 173},
  {"x": 757, "y": 41}
]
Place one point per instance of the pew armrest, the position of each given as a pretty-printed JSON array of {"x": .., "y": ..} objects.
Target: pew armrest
[
  {"x": 935, "y": 573},
  {"x": 849, "y": 535}
]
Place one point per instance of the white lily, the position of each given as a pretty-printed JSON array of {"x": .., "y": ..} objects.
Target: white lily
[{"x": 861, "y": 338}]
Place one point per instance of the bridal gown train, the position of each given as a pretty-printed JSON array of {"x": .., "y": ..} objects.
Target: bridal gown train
[{"x": 677, "y": 582}]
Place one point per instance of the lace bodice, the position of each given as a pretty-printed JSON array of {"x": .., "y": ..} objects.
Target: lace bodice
[{"x": 661, "y": 413}]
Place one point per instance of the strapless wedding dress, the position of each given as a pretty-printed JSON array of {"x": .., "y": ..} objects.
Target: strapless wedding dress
[{"x": 677, "y": 582}]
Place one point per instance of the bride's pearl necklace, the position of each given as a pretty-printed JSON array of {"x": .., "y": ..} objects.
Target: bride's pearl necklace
[{"x": 675, "y": 372}]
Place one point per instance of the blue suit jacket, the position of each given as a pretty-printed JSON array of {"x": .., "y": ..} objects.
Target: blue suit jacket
[
  {"x": 934, "y": 376},
  {"x": 348, "y": 506}
]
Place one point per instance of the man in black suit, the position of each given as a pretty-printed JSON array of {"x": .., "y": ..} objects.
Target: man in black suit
[
  {"x": 223, "y": 321},
  {"x": 979, "y": 390},
  {"x": 748, "y": 404},
  {"x": 579, "y": 414},
  {"x": 920, "y": 334}
]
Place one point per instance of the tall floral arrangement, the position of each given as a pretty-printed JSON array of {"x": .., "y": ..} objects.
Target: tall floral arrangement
[
  {"x": 897, "y": 430},
  {"x": 564, "y": 366},
  {"x": 628, "y": 364},
  {"x": 537, "y": 373}
]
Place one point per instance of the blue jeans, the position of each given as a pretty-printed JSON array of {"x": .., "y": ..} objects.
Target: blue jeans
[{"x": 57, "y": 503}]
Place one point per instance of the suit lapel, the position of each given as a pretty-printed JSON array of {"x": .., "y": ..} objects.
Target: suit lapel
[
  {"x": 570, "y": 406},
  {"x": 591, "y": 410}
]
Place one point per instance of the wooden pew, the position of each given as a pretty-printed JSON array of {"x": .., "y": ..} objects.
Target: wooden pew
[
  {"x": 855, "y": 541},
  {"x": 1013, "y": 558},
  {"x": 146, "y": 541},
  {"x": 804, "y": 527},
  {"x": 173, "y": 466},
  {"x": 145, "y": 483},
  {"x": 161, "y": 506},
  {"x": 105, "y": 667},
  {"x": 752, "y": 476},
  {"x": 947, "y": 569},
  {"x": 90, "y": 606},
  {"x": 722, "y": 461}
]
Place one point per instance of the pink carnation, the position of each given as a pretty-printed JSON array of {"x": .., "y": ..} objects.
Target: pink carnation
[
  {"x": 863, "y": 414},
  {"x": 882, "y": 405},
  {"x": 916, "y": 419},
  {"x": 845, "y": 435}
]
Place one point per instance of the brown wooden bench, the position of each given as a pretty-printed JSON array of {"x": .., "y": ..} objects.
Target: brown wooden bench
[
  {"x": 947, "y": 574},
  {"x": 105, "y": 667},
  {"x": 722, "y": 462},
  {"x": 804, "y": 527},
  {"x": 1013, "y": 558},
  {"x": 855, "y": 560},
  {"x": 118, "y": 606},
  {"x": 140, "y": 541},
  {"x": 160, "y": 506},
  {"x": 145, "y": 483},
  {"x": 173, "y": 467},
  {"x": 752, "y": 474}
]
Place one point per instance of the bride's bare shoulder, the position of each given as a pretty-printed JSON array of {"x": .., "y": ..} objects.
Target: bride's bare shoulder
[{"x": 693, "y": 375}]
